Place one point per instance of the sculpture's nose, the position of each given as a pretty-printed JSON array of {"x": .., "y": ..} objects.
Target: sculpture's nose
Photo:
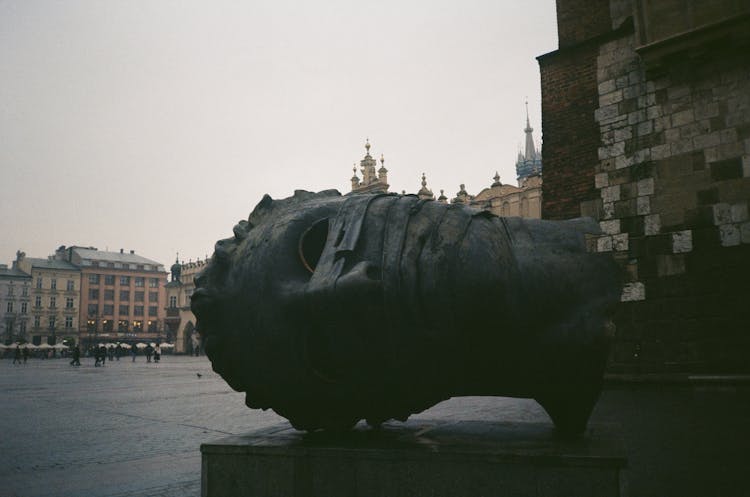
[{"x": 362, "y": 276}]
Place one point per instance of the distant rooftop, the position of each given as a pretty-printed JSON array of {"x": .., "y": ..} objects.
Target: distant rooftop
[
  {"x": 51, "y": 264},
  {"x": 12, "y": 273},
  {"x": 123, "y": 257}
]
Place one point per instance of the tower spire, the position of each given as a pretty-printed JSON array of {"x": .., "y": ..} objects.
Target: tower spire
[{"x": 530, "y": 152}]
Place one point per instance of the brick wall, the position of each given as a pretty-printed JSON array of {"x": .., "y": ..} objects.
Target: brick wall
[
  {"x": 671, "y": 185},
  {"x": 674, "y": 182},
  {"x": 569, "y": 97},
  {"x": 579, "y": 20}
]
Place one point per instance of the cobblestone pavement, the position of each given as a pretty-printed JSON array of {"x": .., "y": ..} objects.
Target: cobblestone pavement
[{"x": 135, "y": 429}]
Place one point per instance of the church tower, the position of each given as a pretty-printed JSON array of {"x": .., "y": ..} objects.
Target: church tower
[
  {"x": 372, "y": 180},
  {"x": 529, "y": 161}
]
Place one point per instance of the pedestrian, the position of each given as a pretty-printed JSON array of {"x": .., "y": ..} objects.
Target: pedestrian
[
  {"x": 103, "y": 354},
  {"x": 157, "y": 353},
  {"x": 111, "y": 353},
  {"x": 148, "y": 350},
  {"x": 118, "y": 351},
  {"x": 133, "y": 351},
  {"x": 25, "y": 354},
  {"x": 76, "y": 356},
  {"x": 17, "y": 355}
]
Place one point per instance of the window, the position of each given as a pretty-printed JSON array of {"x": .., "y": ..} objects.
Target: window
[
  {"x": 108, "y": 309},
  {"x": 153, "y": 282},
  {"x": 109, "y": 279},
  {"x": 39, "y": 283},
  {"x": 71, "y": 285},
  {"x": 124, "y": 309},
  {"x": 152, "y": 310},
  {"x": 93, "y": 309},
  {"x": 10, "y": 289},
  {"x": 25, "y": 291},
  {"x": 125, "y": 295},
  {"x": 109, "y": 295},
  {"x": 37, "y": 321},
  {"x": 53, "y": 284},
  {"x": 94, "y": 279},
  {"x": 52, "y": 322},
  {"x": 107, "y": 325},
  {"x": 10, "y": 307},
  {"x": 91, "y": 325},
  {"x": 152, "y": 326},
  {"x": 68, "y": 322},
  {"x": 94, "y": 293},
  {"x": 138, "y": 296},
  {"x": 153, "y": 296},
  {"x": 111, "y": 264},
  {"x": 122, "y": 325},
  {"x": 505, "y": 209},
  {"x": 137, "y": 325},
  {"x": 38, "y": 301},
  {"x": 22, "y": 327},
  {"x": 24, "y": 307},
  {"x": 69, "y": 303},
  {"x": 140, "y": 281},
  {"x": 125, "y": 280},
  {"x": 173, "y": 301},
  {"x": 138, "y": 310},
  {"x": 52, "y": 302}
]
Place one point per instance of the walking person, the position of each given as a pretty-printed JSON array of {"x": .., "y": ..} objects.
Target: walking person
[
  {"x": 133, "y": 351},
  {"x": 25, "y": 354},
  {"x": 76, "y": 356},
  {"x": 157, "y": 353},
  {"x": 118, "y": 351},
  {"x": 17, "y": 355},
  {"x": 148, "y": 351}
]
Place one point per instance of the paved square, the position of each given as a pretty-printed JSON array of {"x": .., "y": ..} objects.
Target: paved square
[{"x": 135, "y": 428}]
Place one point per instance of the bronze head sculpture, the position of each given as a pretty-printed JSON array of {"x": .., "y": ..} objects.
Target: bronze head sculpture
[{"x": 330, "y": 309}]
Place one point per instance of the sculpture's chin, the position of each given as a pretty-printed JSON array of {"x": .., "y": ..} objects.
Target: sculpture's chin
[{"x": 221, "y": 361}]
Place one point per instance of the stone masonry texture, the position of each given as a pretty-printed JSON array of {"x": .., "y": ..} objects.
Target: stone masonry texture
[{"x": 660, "y": 156}]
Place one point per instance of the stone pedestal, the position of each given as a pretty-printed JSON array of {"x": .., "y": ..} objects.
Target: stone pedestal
[{"x": 418, "y": 458}]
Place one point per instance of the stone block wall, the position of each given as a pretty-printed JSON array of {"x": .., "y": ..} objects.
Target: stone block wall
[{"x": 672, "y": 185}]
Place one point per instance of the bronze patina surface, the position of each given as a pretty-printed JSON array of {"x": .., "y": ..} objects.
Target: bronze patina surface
[{"x": 329, "y": 309}]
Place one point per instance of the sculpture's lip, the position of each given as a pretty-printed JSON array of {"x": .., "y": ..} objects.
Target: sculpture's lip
[{"x": 200, "y": 299}]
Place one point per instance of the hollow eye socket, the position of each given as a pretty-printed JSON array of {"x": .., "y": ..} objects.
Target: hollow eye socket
[{"x": 311, "y": 244}]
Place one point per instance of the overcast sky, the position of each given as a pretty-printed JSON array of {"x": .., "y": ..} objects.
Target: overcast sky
[{"x": 156, "y": 125}]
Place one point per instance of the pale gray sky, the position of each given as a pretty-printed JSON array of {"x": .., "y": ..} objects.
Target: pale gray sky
[{"x": 157, "y": 125}]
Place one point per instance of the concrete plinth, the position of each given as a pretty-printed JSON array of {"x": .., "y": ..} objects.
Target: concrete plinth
[{"x": 421, "y": 458}]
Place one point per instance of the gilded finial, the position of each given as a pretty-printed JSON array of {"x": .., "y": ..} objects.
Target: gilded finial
[{"x": 497, "y": 179}]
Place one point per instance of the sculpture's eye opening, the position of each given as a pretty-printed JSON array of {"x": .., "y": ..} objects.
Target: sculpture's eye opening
[{"x": 311, "y": 244}]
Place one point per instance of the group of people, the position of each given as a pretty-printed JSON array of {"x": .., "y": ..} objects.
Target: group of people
[
  {"x": 17, "y": 354},
  {"x": 114, "y": 353},
  {"x": 101, "y": 354}
]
